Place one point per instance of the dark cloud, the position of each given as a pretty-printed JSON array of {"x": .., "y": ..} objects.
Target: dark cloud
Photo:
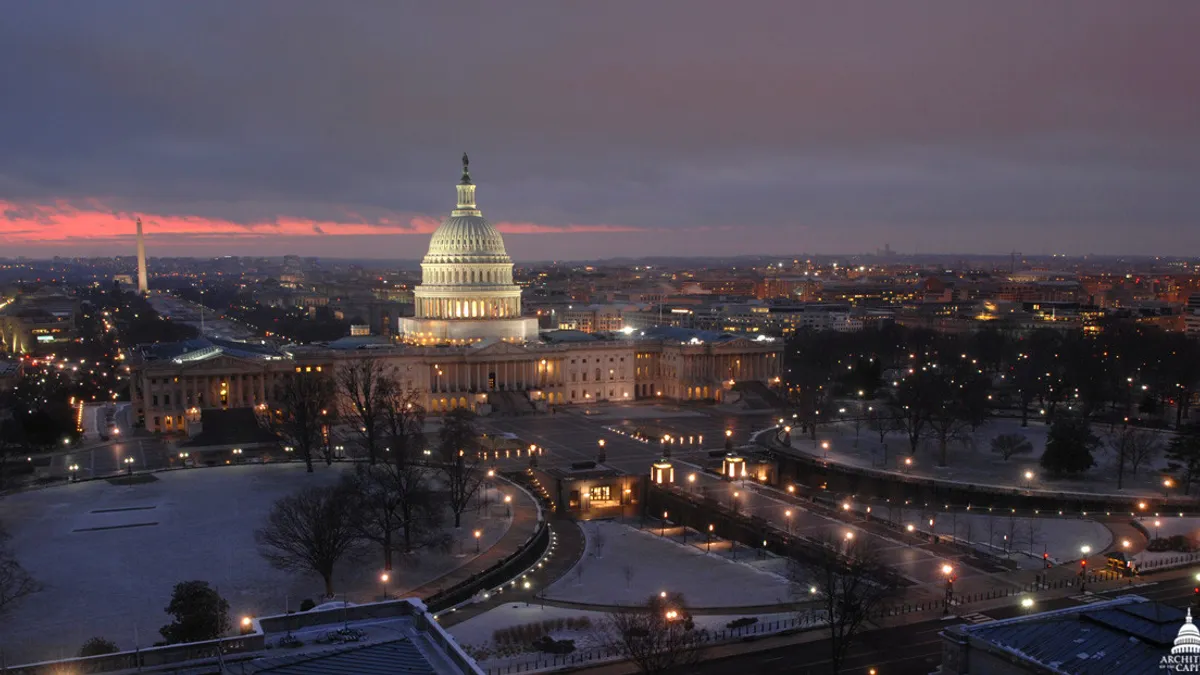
[{"x": 816, "y": 126}]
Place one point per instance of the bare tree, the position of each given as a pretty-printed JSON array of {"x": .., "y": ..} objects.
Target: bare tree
[
  {"x": 1144, "y": 446},
  {"x": 1008, "y": 445},
  {"x": 364, "y": 388},
  {"x": 1033, "y": 532},
  {"x": 395, "y": 501},
  {"x": 15, "y": 582},
  {"x": 404, "y": 424},
  {"x": 850, "y": 587},
  {"x": 657, "y": 636},
  {"x": 1010, "y": 540},
  {"x": 460, "y": 460},
  {"x": 302, "y": 417},
  {"x": 310, "y": 531}
]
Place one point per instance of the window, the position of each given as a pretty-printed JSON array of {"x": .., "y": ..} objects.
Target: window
[
  {"x": 585, "y": 376},
  {"x": 572, "y": 393},
  {"x": 154, "y": 402},
  {"x": 574, "y": 376},
  {"x": 166, "y": 399},
  {"x": 601, "y": 493},
  {"x": 610, "y": 393},
  {"x": 156, "y": 421}
]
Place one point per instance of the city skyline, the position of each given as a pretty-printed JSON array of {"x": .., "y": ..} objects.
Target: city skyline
[{"x": 822, "y": 130}]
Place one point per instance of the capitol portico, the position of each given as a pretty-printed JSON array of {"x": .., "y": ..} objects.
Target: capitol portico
[{"x": 468, "y": 347}]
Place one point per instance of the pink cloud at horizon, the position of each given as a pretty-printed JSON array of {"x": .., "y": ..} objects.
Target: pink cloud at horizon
[{"x": 64, "y": 223}]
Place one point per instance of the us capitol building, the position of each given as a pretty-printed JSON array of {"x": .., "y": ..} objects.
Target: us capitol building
[{"x": 467, "y": 346}]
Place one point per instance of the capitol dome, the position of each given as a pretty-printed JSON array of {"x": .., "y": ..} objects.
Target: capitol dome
[
  {"x": 467, "y": 290},
  {"x": 1188, "y": 640},
  {"x": 466, "y": 236}
]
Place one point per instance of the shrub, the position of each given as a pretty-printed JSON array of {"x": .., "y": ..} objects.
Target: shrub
[
  {"x": 307, "y": 604},
  {"x": 549, "y": 645},
  {"x": 742, "y": 622},
  {"x": 97, "y": 646}
]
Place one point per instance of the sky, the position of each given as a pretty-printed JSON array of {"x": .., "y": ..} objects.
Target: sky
[{"x": 601, "y": 129}]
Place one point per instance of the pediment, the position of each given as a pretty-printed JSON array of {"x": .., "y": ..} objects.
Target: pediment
[
  {"x": 499, "y": 348},
  {"x": 222, "y": 362}
]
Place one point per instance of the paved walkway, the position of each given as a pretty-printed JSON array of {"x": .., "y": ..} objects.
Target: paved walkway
[
  {"x": 567, "y": 542},
  {"x": 524, "y": 525}
]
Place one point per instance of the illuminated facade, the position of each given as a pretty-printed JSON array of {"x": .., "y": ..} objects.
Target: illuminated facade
[{"x": 467, "y": 291}]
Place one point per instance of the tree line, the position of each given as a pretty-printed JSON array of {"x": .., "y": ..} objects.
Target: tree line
[{"x": 937, "y": 387}]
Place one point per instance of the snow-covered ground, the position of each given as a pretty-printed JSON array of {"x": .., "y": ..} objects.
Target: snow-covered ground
[
  {"x": 974, "y": 462},
  {"x": 478, "y": 634},
  {"x": 1022, "y": 539},
  {"x": 631, "y": 565},
  {"x": 1165, "y": 528},
  {"x": 191, "y": 524}
]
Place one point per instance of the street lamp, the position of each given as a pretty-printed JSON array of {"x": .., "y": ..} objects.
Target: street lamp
[
  {"x": 664, "y": 524},
  {"x": 1157, "y": 523},
  {"x": 1167, "y": 483},
  {"x": 708, "y": 546},
  {"x": 73, "y": 469},
  {"x": 478, "y": 534},
  {"x": 507, "y": 505},
  {"x": 948, "y": 572},
  {"x": 907, "y": 464},
  {"x": 237, "y": 455},
  {"x": 129, "y": 464},
  {"x": 729, "y": 439},
  {"x": 1029, "y": 475},
  {"x": 384, "y": 579},
  {"x": 825, "y": 448},
  {"x": 1027, "y": 603},
  {"x": 788, "y": 514}
]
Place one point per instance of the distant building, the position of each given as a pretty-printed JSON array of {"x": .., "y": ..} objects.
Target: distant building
[
  {"x": 1191, "y": 315},
  {"x": 38, "y": 322}
]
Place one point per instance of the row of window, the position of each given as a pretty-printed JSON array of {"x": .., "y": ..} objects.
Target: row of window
[{"x": 599, "y": 360}]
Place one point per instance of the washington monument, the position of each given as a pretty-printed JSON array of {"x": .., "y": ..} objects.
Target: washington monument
[{"x": 143, "y": 286}]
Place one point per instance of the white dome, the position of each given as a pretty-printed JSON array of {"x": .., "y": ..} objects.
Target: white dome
[
  {"x": 466, "y": 236},
  {"x": 467, "y": 274}
]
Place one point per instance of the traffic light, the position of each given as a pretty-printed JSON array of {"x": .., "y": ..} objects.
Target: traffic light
[{"x": 1046, "y": 560}]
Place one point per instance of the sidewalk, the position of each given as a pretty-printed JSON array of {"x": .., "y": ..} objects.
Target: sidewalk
[
  {"x": 523, "y": 526},
  {"x": 567, "y": 547}
]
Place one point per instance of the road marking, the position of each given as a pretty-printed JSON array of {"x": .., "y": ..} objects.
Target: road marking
[
  {"x": 976, "y": 617},
  {"x": 1086, "y": 598}
]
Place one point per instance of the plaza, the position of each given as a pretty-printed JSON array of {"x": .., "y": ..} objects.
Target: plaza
[{"x": 108, "y": 554}]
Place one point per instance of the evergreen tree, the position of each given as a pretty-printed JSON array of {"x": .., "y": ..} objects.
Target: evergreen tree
[
  {"x": 200, "y": 613},
  {"x": 1069, "y": 446},
  {"x": 1183, "y": 458}
]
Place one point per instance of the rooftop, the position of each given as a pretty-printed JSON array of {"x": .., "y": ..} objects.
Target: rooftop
[{"x": 1127, "y": 635}]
